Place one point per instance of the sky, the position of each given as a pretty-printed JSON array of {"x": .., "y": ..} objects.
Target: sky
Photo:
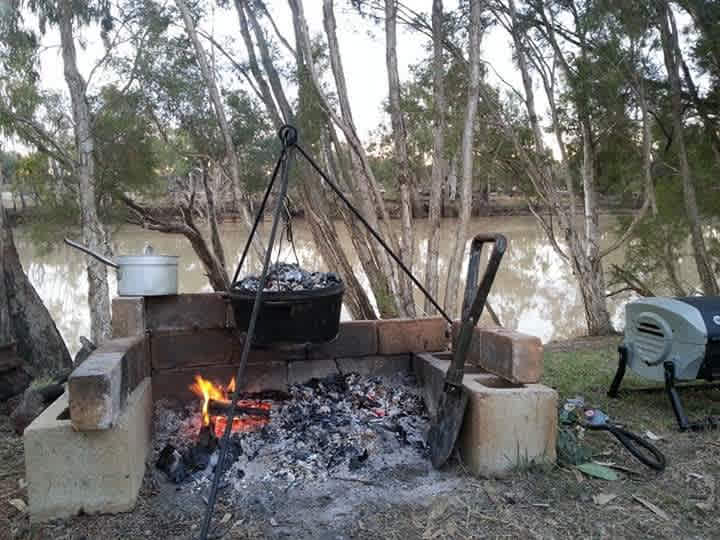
[{"x": 362, "y": 46}]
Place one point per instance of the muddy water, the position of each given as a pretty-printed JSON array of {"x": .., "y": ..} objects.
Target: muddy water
[{"x": 534, "y": 290}]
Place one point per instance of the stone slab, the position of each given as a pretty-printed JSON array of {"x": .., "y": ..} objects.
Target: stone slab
[
  {"x": 175, "y": 384},
  {"x": 373, "y": 366},
  {"x": 128, "y": 316},
  {"x": 401, "y": 336},
  {"x": 304, "y": 370},
  {"x": 355, "y": 338},
  {"x": 98, "y": 387},
  {"x": 512, "y": 355},
  {"x": 507, "y": 427},
  {"x": 70, "y": 472},
  {"x": 188, "y": 311}
]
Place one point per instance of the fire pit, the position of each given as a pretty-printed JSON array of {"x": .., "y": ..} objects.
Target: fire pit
[
  {"x": 335, "y": 426},
  {"x": 298, "y": 306}
]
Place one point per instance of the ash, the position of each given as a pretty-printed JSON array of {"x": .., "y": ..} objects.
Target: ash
[
  {"x": 341, "y": 427},
  {"x": 285, "y": 277}
]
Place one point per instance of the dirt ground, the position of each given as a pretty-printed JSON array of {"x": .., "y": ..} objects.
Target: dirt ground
[{"x": 558, "y": 502}]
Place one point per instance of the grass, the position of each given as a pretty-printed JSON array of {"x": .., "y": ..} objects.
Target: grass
[{"x": 589, "y": 372}]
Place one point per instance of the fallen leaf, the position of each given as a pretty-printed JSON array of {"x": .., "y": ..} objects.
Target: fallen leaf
[
  {"x": 273, "y": 522},
  {"x": 598, "y": 471},
  {"x": 650, "y": 435},
  {"x": 695, "y": 475},
  {"x": 578, "y": 476},
  {"x": 705, "y": 506},
  {"x": 650, "y": 506},
  {"x": 226, "y": 518},
  {"x": 602, "y": 499},
  {"x": 22, "y": 483},
  {"x": 19, "y": 504}
]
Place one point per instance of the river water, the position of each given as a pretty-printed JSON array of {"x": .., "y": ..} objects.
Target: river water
[{"x": 534, "y": 291}]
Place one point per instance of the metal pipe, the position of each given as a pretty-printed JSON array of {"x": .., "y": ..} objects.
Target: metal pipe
[{"x": 90, "y": 252}]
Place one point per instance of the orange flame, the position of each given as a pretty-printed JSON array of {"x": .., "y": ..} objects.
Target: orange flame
[{"x": 208, "y": 390}]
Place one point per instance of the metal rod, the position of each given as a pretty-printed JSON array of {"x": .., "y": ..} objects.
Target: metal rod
[
  {"x": 288, "y": 142},
  {"x": 373, "y": 232},
  {"x": 90, "y": 252},
  {"x": 258, "y": 217}
]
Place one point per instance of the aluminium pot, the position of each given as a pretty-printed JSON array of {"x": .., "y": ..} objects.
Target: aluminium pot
[{"x": 140, "y": 275}]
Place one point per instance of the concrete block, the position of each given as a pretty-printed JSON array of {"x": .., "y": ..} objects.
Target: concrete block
[
  {"x": 507, "y": 426},
  {"x": 71, "y": 472},
  {"x": 511, "y": 355},
  {"x": 304, "y": 370},
  {"x": 188, "y": 311},
  {"x": 184, "y": 348},
  {"x": 175, "y": 383},
  {"x": 128, "y": 316},
  {"x": 98, "y": 387},
  {"x": 355, "y": 338},
  {"x": 375, "y": 365},
  {"x": 401, "y": 336},
  {"x": 475, "y": 351}
]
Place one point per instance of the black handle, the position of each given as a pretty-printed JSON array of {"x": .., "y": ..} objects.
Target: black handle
[{"x": 473, "y": 306}]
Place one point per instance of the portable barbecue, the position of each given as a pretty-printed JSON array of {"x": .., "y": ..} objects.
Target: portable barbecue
[{"x": 670, "y": 340}]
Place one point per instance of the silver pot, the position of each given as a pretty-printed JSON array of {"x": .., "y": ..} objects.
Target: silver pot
[{"x": 140, "y": 275}]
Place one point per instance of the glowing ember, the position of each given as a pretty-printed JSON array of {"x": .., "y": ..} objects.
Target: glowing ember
[{"x": 208, "y": 390}]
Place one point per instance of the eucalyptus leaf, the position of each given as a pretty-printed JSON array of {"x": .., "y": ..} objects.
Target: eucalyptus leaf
[{"x": 598, "y": 471}]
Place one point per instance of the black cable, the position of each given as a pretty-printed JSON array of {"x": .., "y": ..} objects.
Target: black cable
[{"x": 631, "y": 441}]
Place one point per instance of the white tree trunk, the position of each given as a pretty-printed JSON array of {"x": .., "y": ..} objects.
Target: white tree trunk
[
  {"x": 438, "y": 165},
  {"x": 452, "y": 290},
  {"x": 671, "y": 48},
  {"x": 402, "y": 162},
  {"x": 93, "y": 232}
]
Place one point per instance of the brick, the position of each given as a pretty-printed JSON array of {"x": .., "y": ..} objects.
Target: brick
[
  {"x": 99, "y": 386},
  {"x": 175, "y": 384},
  {"x": 70, "y": 472},
  {"x": 186, "y": 348},
  {"x": 355, "y": 338},
  {"x": 401, "y": 336},
  {"x": 304, "y": 370},
  {"x": 475, "y": 351},
  {"x": 128, "y": 316},
  {"x": 375, "y": 365},
  {"x": 511, "y": 355},
  {"x": 188, "y": 311},
  {"x": 507, "y": 426}
]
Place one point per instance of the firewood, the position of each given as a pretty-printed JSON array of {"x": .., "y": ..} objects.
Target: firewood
[{"x": 222, "y": 407}]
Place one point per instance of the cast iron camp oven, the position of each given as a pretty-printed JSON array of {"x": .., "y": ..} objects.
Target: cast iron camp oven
[{"x": 310, "y": 316}]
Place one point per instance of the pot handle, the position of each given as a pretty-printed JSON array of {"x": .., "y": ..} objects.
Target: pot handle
[{"x": 87, "y": 250}]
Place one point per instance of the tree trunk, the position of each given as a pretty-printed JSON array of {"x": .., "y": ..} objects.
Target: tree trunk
[
  {"x": 402, "y": 162},
  {"x": 93, "y": 232},
  {"x": 438, "y": 165},
  {"x": 671, "y": 48},
  {"x": 24, "y": 319},
  {"x": 452, "y": 289},
  {"x": 211, "y": 83}
]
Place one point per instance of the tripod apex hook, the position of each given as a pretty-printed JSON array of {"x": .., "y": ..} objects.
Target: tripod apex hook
[{"x": 288, "y": 135}]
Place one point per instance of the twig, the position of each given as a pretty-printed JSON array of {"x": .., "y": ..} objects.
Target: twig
[{"x": 359, "y": 480}]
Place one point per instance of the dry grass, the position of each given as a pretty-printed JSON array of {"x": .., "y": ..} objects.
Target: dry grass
[{"x": 555, "y": 503}]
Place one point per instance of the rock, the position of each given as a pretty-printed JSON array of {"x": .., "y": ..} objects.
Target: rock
[
  {"x": 30, "y": 407},
  {"x": 13, "y": 382}
]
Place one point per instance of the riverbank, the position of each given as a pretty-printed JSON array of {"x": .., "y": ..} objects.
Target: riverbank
[{"x": 559, "y": 502}]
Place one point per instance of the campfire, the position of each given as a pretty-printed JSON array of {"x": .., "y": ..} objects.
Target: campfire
[
  {"x": 249, "y": 414},
  {"x": 343, "y": 425}
]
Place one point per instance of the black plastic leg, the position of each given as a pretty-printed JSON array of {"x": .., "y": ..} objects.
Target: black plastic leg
[
  {"x": 682, "y": 418},
  {"x": 620, "y": 373}
]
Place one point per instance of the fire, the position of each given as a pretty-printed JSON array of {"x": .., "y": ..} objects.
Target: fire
[{"x": 208, "y": 390}]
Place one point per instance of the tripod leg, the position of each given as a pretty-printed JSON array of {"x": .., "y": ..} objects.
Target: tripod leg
[
  {"x": 682, "y": 419},
  {"x": 620, "y": 373}
]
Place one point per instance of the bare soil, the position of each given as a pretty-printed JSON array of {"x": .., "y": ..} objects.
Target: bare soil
[{"x": 418, "y": 502}]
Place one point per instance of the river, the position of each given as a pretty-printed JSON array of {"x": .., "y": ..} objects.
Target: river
[{"x": 534, "y": 291}]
